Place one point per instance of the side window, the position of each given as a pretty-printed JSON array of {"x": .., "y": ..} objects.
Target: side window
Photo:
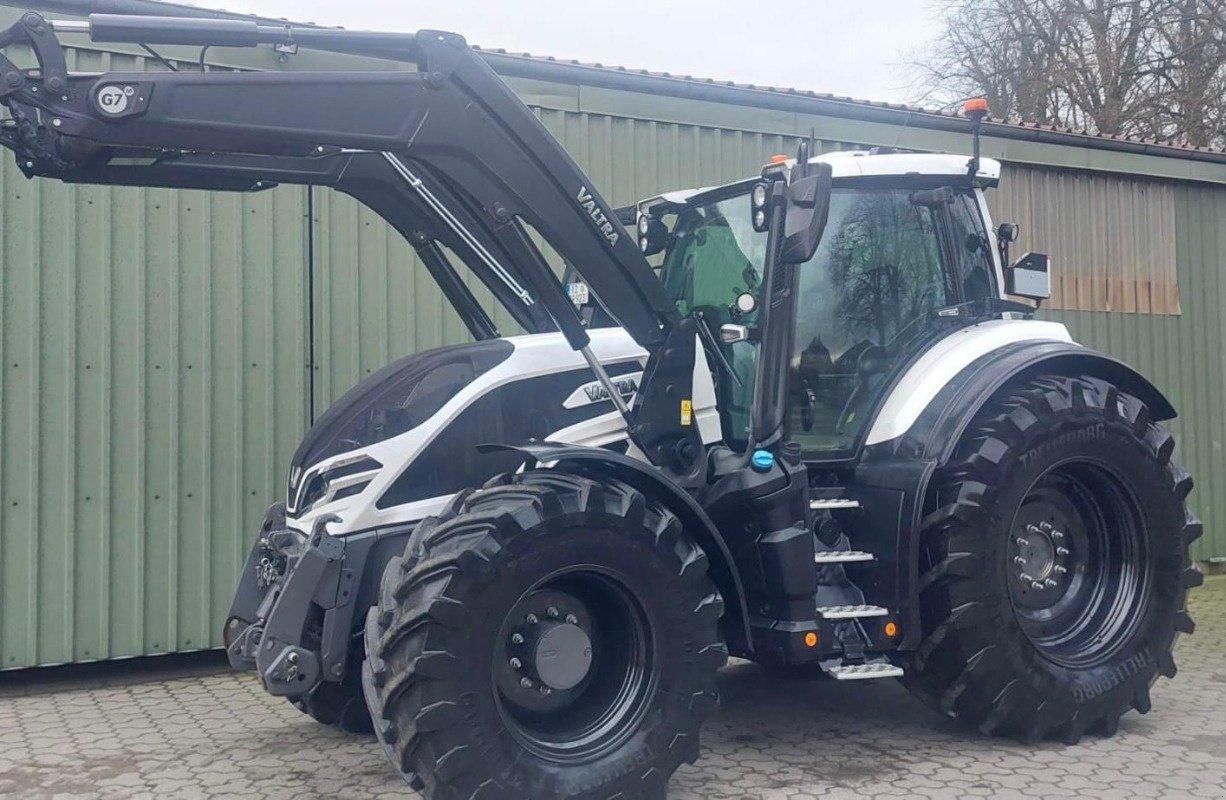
[
  {"x": 715, "y": 256},
  {"x": 718, "y": 237},
  {"x": 863, "y": 308},
  {"x": 975, "y": 268}
]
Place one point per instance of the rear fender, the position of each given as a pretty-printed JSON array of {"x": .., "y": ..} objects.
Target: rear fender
[
  {"x": 893, "y": 477},
  {"x": 935, "y": 433},
  {"x": 595, "y": 461}
]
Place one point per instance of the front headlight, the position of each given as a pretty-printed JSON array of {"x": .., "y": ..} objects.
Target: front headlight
[{"x": 341, "y": 480}]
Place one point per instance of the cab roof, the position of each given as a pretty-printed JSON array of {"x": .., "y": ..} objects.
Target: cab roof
[
  {"x": 847, "y": 164},
  {"x": 864, "y": 163}
]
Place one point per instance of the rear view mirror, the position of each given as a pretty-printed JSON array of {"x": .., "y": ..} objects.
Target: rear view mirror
[
  {"x": 1029, "y": 277},
  {"x": 808, "y": 205}
]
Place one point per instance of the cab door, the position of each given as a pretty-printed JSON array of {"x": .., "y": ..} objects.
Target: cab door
[{"x": 866, "y": 303}]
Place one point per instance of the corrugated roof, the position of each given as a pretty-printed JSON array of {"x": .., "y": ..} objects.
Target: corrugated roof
[
  {"x": 576, "y": 71},
  {"x": 851, "y": 102}
]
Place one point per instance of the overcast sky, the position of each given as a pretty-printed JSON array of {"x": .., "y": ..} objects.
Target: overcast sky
[{"x": 848, "y": 48}]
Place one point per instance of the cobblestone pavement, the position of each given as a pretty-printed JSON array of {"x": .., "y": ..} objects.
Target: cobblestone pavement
[{"x": 220, "y": 736}]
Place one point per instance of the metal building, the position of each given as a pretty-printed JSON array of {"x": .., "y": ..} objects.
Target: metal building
[{"x": 162, "y": 352}]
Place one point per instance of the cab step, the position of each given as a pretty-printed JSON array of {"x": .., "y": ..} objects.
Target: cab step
[
  {"x": 859, "y": 672},
  {"x": 842, "y": 557},
  {"x": 851, "y": 612},
  {"x": 832, "y": 503}
]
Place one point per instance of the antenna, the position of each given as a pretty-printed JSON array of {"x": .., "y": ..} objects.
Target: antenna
[
  {"x": 975, "y": 109},
  {"x": 803, "y": 153}
]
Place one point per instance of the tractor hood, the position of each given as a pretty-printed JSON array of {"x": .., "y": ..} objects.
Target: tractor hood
[{"x": 387, "y": 403}]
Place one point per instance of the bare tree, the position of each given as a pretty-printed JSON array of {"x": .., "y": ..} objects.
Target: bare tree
[{"x": 1152, "y": 68}]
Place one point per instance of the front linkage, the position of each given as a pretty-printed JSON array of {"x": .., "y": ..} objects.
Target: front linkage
[
  {"x": 286, "y": 578},
  {"x": 296, "y": 610}
]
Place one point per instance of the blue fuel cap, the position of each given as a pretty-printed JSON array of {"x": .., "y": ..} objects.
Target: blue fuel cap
[{"x": 763, "y": 460}]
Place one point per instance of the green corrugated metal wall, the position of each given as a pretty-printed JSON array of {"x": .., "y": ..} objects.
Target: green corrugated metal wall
[
  {"x": 153, "y": 387},
  {"x": 155, "y": 355},
  {"x": 1184, "y": 355}
]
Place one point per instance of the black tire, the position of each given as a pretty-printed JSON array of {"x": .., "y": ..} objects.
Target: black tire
[
  {"x": 341, "y": 705},
  {"x": 1080, "y": 643},
  {"x": 444, "y": 693}
]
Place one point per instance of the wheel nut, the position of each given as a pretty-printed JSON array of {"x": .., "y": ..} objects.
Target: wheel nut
[
  {"x": 516, "y": 663},
  {"x": 1019, "y": 560},
  {"x": 1025, "y": 578},
  {"x": 1057, "y": 534},
  {"x": 546, "y": 691},
  {"x": 531, "y": 619},
  {"x": 1046, "y": 526},
  {"x": 517, "y": 638},
  {"x": 525, "y": 682},
  {"x": 1062, "y": 551},
  {"x": 1060, "y": 569},
  {"x": 1031, "y": 529},
  {"x": 572, "y": 619},
  {"x": 1022, "y": 541},
  {"x": 1036, "y": 585},
  {"x": 1051, "y": 583},
  {"x": 552, "y": 612}
]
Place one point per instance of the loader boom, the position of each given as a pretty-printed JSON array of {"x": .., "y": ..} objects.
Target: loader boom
[{"x": 454, "y": 119}]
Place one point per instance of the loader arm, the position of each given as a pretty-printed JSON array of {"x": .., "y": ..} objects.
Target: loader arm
[{"x": 454, "y": 118}]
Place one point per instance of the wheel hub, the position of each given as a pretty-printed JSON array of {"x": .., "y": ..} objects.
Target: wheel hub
[
  {"x": 1037, "y": 553},
  {"x": 1041, "y": 555},
  {"x": 559, "y": 655},
  {"x": 548, "y": 650}
]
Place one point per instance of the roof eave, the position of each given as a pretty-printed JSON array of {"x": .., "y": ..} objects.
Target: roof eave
[{"x": 804, "y": 102}]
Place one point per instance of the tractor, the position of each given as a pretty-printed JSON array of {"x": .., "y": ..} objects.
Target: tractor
[{"x": 807, "y": 419}]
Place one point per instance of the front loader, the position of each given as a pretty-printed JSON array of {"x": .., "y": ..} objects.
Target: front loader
[{"x": 819, "y": 433}]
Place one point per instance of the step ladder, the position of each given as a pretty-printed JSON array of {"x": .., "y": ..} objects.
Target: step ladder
[{"x": 841, "y": 601}]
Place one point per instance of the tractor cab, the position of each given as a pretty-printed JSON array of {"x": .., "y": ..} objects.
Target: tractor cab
[{"x": 908, "y": 247}]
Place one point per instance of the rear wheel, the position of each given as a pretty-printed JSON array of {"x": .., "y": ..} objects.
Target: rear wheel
[
  {"x": 1054, "y": 564},
  {"x": 548, "y": 637}
]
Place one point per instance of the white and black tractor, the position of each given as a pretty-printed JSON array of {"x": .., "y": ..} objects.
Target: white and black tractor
[{"x": 815, "y": 432}]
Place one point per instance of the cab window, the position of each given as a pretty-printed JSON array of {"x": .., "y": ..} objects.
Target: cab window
[
  {"x": 864, "y": 306},
  {"x": 715, "y": 255}
]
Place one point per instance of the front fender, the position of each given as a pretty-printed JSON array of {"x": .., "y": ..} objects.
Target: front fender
[{"x": 653, "y": 483}]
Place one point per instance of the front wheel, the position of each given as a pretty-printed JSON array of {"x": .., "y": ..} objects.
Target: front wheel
[
  {"x": 1054, "y": 564},
  {"x": 339, "y": 705},
  {"x": 548, "y": 637}
]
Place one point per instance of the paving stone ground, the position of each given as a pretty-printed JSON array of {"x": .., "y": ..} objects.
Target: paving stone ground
[{"x": 220, "y": 736}]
